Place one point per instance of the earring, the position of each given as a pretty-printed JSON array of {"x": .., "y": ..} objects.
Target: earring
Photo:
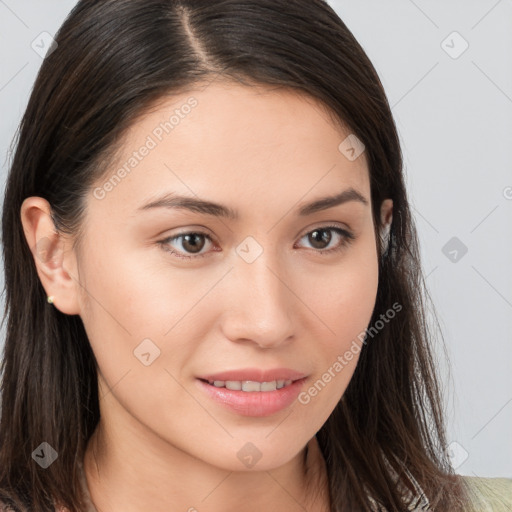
[
  {"x": 50, "y": 299},
  {"x": 385, "y": 238}
]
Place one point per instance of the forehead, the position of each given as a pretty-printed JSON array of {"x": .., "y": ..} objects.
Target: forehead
[{"x": 230, "y": 142}]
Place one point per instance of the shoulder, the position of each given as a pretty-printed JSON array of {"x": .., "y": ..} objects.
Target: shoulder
[
  {"x": 5, "y": 508},
  {"x": 489, "y": 494}
]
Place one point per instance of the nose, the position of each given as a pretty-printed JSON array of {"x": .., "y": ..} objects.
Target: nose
[{"x": 259, "y": 304}]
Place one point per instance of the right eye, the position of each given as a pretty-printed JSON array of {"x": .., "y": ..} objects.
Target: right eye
[{"x": 192, "y": 241}]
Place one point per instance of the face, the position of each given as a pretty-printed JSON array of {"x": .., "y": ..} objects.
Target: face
[{"x": 171, "y": 294}]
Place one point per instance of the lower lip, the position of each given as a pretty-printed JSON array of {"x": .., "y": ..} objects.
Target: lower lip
[{"x": 254, "y": 403}]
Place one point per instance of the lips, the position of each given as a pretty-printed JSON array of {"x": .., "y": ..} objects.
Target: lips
[
  {"x": 254, "y": 374},
  {"x": 253, "y": 403}
]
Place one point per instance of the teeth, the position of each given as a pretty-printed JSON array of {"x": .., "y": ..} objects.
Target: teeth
[
  {"x": 268, "y": 386},
  {"x": 250, "y": 385}
]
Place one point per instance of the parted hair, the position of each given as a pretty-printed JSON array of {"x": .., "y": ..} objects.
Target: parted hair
[{"x": 113, "y": 60}]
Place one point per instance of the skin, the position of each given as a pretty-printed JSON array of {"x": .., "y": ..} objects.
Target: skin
[{"x": 162, "y": 444}]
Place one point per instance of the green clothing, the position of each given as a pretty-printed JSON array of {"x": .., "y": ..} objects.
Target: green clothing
[{"x": 490, "y": 494}]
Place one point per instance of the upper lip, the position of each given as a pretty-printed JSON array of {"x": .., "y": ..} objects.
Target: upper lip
[{"x": 255, "y": 374}]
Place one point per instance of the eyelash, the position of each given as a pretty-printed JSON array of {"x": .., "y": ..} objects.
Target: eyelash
[{"x": 347, "y": 239}]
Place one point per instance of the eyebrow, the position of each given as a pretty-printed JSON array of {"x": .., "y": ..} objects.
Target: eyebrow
[{"x": 195, "y": 204}]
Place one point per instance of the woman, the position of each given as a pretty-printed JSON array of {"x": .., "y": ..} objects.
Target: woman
[{"x": 213, "y": 291}]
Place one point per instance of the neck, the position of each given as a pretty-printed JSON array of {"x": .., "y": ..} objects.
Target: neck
[{"x": 159, "y": 477}]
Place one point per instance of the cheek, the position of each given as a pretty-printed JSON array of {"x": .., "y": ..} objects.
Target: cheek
[
  {"x": 138, "y": 321},
  {"x": 344, "y": 295},
  {"x": 135, "y": 306},
  {"x": 122, "y": 287},
  {"x": 343, "y": 299}
]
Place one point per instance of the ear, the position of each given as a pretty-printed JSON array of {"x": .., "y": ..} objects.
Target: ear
[
  {"x": 386, "y": 217},
  {"x": 53, "y": 254},
  {"x": 386, "y": 212}
]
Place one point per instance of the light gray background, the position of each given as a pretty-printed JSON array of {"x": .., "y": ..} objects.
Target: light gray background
[{"x": 454, "y": 116}]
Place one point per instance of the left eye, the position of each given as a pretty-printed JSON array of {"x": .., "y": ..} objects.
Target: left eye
[
  {"x": 322, "y": 235},
  {"x": 194, "y": 241}
]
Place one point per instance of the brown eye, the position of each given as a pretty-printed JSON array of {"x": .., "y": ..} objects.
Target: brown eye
[
  {"x": 321, "y": 237},
  {"x": 191, "y": 244}
]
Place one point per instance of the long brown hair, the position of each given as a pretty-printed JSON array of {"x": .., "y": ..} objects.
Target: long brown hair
[{"x": 114, "y": 59}]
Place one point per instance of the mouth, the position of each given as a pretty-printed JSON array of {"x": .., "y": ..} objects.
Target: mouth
[
  {"x": 252, "y": 398},
  {"x": 250, "y": 385}
]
